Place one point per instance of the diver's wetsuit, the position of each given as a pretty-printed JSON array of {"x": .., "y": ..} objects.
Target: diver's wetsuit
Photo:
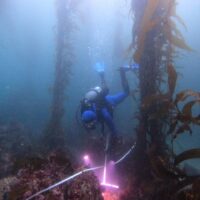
[
  {"x": 103, "y": 104},
  {"x": 106, "y": 114}
]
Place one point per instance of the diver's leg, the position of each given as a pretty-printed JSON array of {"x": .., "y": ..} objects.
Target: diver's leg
[
  {"x": 116, "y": 99},
  {"x": 111, "y": 137}
]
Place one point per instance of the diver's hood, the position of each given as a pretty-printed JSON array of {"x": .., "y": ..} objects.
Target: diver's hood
[{"x": 93, "y": 93}]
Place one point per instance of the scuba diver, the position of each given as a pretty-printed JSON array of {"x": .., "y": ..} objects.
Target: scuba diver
[{"x": 97, "y": 105}]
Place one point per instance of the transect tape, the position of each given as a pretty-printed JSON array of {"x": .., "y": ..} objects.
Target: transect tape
[{"x": 79, "y": 173}]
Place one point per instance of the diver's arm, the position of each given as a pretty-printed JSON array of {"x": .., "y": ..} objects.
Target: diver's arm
[
  {"x": 103, "y": 80},
  {"x": 103, "y": 84},
  {"x": 100, "y": 69},
  {"x": 124, "y": 81}
]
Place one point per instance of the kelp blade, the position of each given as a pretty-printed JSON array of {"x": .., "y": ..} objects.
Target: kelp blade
[
  {"x": 172, "y": 78},
  {"x": 190, "y": 154},
  {"x": 187, "y": 109},
  {"x": 183, "y": 95},
  {"x": 146, "y": 25}
]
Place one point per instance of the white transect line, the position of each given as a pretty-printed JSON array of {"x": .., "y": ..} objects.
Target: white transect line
[
  {"x": 104, "y": 170},
  {"x": 125, "y": 155},
  {"x": 79, "y": 173},
  {"x": 110, "y": 185}
]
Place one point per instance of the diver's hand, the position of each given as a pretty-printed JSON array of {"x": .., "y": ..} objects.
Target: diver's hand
[
  {"x": 130, "y": 67},
  {"x": 124, "y": 68}
]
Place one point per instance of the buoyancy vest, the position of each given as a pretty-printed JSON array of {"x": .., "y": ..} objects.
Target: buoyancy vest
[{"x": 95, "y": 100}]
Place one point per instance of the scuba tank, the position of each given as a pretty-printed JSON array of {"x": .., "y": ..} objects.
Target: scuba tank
[
  {"x": 92, "y": 96},
  {"x": 94, "y": 100},
  {"x": 95, "y": 95}
]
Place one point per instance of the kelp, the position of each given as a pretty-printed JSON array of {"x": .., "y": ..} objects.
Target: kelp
[
  {"x": 183, "y": 95},
  {"x": 54, "y": 133},
  {"x": 176, "y": 130},
  {"x": 169, "y": 110},
  {"x": 185, "y": 115},
  {"x": 150, "y": 100},
  {"x": 174, "y": 29},
  {"x": 187, "y": 109},
  {"x": 189, "y": 154},
  {"x": 179, "y": 120},
  {"x": 170, "y": 30},
  {"x": 180, "y": 20},
  {"x": 147, "y": 24},
  {"x": 163, "y": 99},
  {"x": 174, "y": 36},
  {"x": 160, "y": 15},
  {"x": 178, "y": 42},
  {"x": 163, "y": 114},
  {"x": 172, "y": 78},
  {"x": 161, "y": 170},
  {"x": 162, "y": 106}
]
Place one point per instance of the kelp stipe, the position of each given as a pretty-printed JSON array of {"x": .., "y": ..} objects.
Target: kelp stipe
[
  {"x": 157, "y": 40},
  {"x": 54, "y": 133}
]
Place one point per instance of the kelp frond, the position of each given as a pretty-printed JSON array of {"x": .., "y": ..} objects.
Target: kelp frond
[
  {"x": 179, "y": 120},
  {"x": 147, "y": 24},
  {"x": 189, "y": 154},
  {"x": 160, "y": 15},
  {"x": 172, "y": 78},
  {"x": 183, "y": 95},
  {"x": 178, "y": 42}
]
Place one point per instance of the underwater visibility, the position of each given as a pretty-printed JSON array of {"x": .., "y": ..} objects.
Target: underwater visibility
[{"x": 99, "y": 100}]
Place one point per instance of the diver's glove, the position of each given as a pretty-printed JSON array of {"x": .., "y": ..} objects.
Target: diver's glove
[
  {"x": 130, "y": 67},
  {"x": 99, "y": 67},
  {"x": 134, "y": 66}
]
